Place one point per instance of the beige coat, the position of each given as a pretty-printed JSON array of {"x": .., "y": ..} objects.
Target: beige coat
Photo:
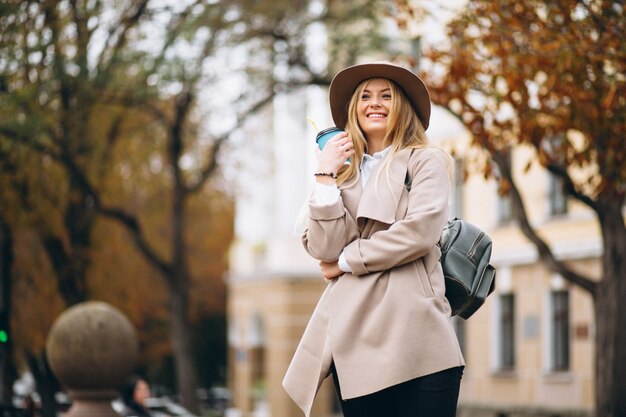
[{"x": 388, "y": 321}]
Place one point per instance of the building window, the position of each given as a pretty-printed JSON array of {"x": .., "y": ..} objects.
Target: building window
[
  {"x": 507, "y": 332},
  {"x": 554, "y": 149},
  {"x": 457, "y": 199},
  {"x": 257, "y": 355},
  {"x": 560, "y": 340},
  {"x": 505, "y": 204},
  {"x": 505, "y": 209},
  {"x": 557, "y": 198}
]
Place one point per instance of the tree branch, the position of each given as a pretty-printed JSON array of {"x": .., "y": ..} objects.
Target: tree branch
[
  {"x": 112, "y": 136},
  {"x": 25, "y": 139},
  {"x": 545, "y": 253},
  {"x": 112, "y": 51},
  {"x": 175, "y": 27},
  {"x": 133, "y": 226},
  {"x": 82, "y": 37},
  {"x": 128, "y": 221},
  {"x": 135, "y": 102},
  {"x": 561, "y": 172},
  {"x": 219, "y": 141}
]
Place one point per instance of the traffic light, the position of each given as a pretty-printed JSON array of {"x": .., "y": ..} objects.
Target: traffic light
[{"x": 4, "y": 336}]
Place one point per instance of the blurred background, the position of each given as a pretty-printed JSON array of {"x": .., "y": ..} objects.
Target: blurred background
[{"x": 155, "y": 154}]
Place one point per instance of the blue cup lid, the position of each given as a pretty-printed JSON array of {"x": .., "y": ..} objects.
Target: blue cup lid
[{"x": 326, "y": 131}]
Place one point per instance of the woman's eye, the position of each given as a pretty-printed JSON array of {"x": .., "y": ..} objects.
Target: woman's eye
[
  {"x": 387, "y": 96},
  {"x": 365, "y": 96}
]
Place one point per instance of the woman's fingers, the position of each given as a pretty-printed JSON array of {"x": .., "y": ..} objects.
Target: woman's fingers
[
  {"x": 330, "y": 270},
  {"x": 339, "y": 139},
  {"x": 342, "y": 143},
  {"x": 335, "y": 153}
]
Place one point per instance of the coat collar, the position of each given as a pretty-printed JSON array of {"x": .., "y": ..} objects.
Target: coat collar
[{"x": 381, "y": 195}]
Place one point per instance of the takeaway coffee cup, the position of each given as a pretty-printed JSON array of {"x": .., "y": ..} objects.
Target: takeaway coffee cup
[{"x": 323, "y": 136}]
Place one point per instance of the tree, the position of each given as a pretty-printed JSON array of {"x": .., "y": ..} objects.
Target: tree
[
  {"x": 50, "y": 89},
  {"x": 20, "y": 249},
  {"x": 538, "y": 74},
  {"x": 54, "y": 94},
  {"x": 73, "y": 71},
  {"x": 268, "y": 36}
]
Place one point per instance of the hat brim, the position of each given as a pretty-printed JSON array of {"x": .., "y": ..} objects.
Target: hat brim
[{"x": 346, "y": 81}]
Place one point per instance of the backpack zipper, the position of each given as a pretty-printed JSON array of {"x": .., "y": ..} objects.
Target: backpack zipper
[{"x": 475, "y": 244}]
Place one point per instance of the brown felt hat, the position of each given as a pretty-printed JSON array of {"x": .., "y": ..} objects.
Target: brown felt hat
[{"x": 346, "y": 81}]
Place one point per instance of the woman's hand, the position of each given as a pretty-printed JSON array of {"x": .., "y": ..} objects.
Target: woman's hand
[
  {"x": 335, "y": 153},
  {"x": 330, "y": 270}
]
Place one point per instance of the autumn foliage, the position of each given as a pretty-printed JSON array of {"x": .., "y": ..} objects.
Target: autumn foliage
[
  {"x": 551, "y": 76},
  {"x": 531, "y": 72}
]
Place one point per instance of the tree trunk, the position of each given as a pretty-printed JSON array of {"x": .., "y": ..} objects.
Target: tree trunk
[
  {"x": 70, "y": 264},
  {"x": 70, "y": 270},
  {"x": 610, "y": 311},
  {"x": 179, "y": 278},
  {"x": 47, "y": 384},
  {"x": 186, "y": 373}
]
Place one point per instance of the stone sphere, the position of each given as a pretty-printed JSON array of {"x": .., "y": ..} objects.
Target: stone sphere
[{"x": 92, "y": 346}]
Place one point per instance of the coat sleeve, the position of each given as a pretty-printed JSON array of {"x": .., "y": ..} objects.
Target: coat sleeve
[
  {"x": 329, "y": 229},
  {"x": 413, "y": 237}
]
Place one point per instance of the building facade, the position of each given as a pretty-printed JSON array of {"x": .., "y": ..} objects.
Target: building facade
[
  {"x": 273, "y": 284},
  {"x": 529, "y": 349}
]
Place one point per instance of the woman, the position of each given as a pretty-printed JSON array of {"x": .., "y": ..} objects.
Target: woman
[
  {"x": 382, "y": 326},
  {"x": 134, "y": 394}
]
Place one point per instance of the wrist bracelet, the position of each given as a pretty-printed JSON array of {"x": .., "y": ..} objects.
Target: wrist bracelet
[{"x": 326, "y": 174}]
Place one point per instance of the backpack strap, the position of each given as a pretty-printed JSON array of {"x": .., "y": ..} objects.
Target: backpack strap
[
  {"x": 407, "y": 178},
  {"x": 407, "y": 182}
]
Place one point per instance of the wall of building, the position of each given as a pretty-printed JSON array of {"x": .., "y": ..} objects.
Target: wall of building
[
  {"x": 530, "y": 387},
  {"x": 530, "y": 382},
  {"x": 273, "y": 283},
  {"x": 271, "y": 314}
]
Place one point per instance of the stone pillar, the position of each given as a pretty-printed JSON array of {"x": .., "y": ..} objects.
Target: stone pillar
[{"x": 92, "y": 348}]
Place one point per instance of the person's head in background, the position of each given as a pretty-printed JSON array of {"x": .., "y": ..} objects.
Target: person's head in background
[{"x": 134, "y": 394}]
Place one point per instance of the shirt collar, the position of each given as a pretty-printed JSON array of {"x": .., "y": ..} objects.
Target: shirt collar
[{"x": 377, "y": 156}]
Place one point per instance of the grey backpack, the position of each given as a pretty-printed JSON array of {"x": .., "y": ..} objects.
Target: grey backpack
[{"x": 469, "y": 278}]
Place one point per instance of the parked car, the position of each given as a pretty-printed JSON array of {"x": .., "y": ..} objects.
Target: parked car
[
  {"x": 167, "y": 407},
  {"x": 215, "y": 399},
  {"x": 159, "y": 406}
]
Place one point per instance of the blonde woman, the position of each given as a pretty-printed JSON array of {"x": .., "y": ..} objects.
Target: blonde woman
[{"x": 382, "y": 326}]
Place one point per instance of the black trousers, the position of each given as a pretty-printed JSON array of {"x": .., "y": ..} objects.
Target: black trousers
[{"x": 433, "y": 395}]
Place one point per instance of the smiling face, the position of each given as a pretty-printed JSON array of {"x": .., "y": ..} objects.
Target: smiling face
[{"x": 373, "y": 108}]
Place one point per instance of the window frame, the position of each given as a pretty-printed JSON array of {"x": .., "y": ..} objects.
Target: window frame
[
  {"x": 560, "y": 337},
  {"x": 507, "y": 357}
]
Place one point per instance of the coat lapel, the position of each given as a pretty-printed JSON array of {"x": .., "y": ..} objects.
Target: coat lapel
[{"x": 381, "y": 195}]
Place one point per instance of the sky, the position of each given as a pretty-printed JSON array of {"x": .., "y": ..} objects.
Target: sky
[{"x": 432, "y": 31}]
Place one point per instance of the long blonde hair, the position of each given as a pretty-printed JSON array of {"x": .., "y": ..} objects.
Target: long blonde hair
[{"x": 404, "y": 130}]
